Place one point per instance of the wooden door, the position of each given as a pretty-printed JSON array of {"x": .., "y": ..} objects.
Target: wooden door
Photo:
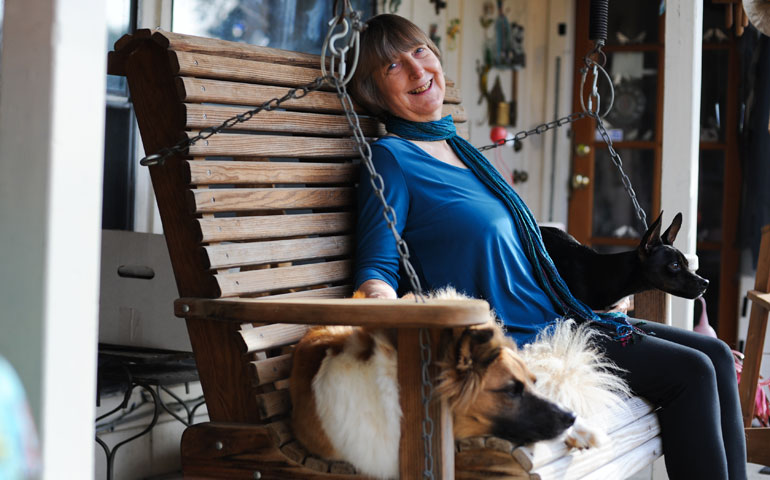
[{"x": 601, "y": 214}]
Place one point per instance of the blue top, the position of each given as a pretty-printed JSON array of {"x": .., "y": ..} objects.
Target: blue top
[{"x": 459, "y": 234}]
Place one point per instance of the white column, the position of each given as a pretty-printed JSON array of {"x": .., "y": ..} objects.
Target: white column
[
  {"x": 681, "y": 130},
  {"x": 51, "y": 149}
]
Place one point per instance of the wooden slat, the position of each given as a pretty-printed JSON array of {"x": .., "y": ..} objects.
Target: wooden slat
[
  {"x": 250, "y": 71},
  {"x": 341, "y": 291},
  {"x": 624, "y": 444},
  {"x": 651, "y": 306},
  {"x": 401, "y": 313},
  {"x": 452, "y": 95},
  {"x": 760, "y": 298},
  {"x": 191, "y": 43},
  {"x": 274, "y": 226},
  {"x": 202, "y": 116},
  {"x": 534, "y": 456},
  {"x": 275, "y": 403},
  {"x": 238, "y": 254},
  {"x": 457, "y": 112},
  {"x": 631, "y": 462},
  {"x": 270, "y": 336},
  {"x": 194, "y": 90},
  {"x": 411, "y": 451},
  {"x": 256, "y": 281},
  {"x": 274, "y": 146},
  {"x": 232, "y": 93},
  {"x": 250, "y": 199},
  {"x": 281, "y": 430},
  {"x": 757, "y": 441},
  {"x": 203, "y": 172},
  {"x": 272, "y": 369}
]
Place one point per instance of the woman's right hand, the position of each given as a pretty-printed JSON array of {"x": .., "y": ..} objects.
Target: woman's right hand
[{"x": 377, "y": 289}]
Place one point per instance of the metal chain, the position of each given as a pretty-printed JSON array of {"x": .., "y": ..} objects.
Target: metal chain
[
  {"x": 616, "y": 160},
  {"x": 538, "y": 130},
  {"x": 159, "y": 157},
  {"x": 426, "y": 392}
]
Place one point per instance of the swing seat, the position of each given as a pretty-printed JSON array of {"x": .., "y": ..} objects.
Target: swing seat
[{"x": 259, "y": 224}]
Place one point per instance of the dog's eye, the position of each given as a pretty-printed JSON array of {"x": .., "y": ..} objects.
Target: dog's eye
[
  {"x": 515, "y": 388},
  {"x": 674, "y": 267}
]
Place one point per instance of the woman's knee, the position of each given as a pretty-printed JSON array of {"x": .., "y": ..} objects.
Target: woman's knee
[
  {"x": 694, "y": 368},
  {"x": 720, "y": 353}
]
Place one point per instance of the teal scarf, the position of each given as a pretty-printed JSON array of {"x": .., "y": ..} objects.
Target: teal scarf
[{"x": 545, "y": 271}]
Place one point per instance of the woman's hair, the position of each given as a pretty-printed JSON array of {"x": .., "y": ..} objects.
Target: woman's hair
[{"x": 383, "y": 39}]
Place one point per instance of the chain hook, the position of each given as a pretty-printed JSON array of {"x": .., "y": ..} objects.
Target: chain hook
[{"x": 338, "y": 67}]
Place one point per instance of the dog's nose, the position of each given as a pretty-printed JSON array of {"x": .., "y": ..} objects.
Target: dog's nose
[
  {"x": 704, "y": 283},
  {"x": 569, "y": 417}
]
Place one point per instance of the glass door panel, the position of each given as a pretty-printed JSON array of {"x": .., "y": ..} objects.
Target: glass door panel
[
  {"x": 710, "y": 198},
  {"x": 632, "y": 23},
  {"x": 635, "y": 79},
  {"x": 613, "y": 212},
  {"x": 713, "y": 95}
]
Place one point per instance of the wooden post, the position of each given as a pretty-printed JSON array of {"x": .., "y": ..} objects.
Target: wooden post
[{"x": 412, "y": 450}]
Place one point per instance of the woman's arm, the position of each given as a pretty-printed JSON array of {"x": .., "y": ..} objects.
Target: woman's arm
[
  {"x": 377, "y": 257},
  {"x": 377, "y": 289}
]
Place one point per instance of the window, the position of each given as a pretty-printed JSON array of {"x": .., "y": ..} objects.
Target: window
[
  {"x": 119, "y": 158},
  {"x": 299, "y": 25}
]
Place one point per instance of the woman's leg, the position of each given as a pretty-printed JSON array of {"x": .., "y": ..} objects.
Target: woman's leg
[{"x": 688, "y": 374}]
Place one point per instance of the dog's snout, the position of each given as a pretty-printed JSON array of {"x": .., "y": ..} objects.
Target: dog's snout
[{"x": 569, "y": 418}]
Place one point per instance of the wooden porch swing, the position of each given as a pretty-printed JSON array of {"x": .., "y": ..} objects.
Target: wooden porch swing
[{"x": 258, "y": 220}]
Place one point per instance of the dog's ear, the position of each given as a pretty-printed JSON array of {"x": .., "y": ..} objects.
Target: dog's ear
[
  {"x": 671, "y": 232},
  {"x": 651, "y": 237},
  {"x": 467, "y": 347}
]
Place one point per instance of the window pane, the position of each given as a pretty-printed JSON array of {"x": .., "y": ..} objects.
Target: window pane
[
  {"x": 710, "y": 188},
  {"x": 298, "y": 25},
  {"x": 713, "y": 96},
  {"x": 632, "y": 22},
  {"x": 635, "y": 78},
  {"x": 118, "y": 20},
  {"x": 614, "y": 214}
]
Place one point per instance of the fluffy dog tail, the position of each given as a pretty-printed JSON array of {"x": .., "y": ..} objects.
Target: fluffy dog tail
[{"x": 573, "y": 372}]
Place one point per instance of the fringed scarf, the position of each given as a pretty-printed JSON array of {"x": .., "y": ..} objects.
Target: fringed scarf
[{"x": 529, "y": 232}]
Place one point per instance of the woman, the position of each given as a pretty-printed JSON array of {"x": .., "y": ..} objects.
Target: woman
[{"x": 465, "y": 227}]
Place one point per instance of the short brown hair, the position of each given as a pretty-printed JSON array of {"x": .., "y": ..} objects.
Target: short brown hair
[{"x": 384, "y": 38}]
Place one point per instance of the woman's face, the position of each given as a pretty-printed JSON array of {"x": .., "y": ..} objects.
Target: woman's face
[{"x": 412, "y": 85}]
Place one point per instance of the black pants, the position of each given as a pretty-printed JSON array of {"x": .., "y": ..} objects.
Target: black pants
[{"x": 692, "y": 378}]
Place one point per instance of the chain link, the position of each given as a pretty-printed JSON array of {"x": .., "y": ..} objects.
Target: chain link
[
  {"x": 426, "y": 392},
  {"x": 618, "y": 162},
  {"x": 538, "y": 130},
  {"x": 159, "y": 157}
]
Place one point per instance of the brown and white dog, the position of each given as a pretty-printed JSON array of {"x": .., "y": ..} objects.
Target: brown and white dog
[{"x": 344, "y": 393}]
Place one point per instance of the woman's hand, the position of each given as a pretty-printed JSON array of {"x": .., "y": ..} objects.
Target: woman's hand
[{"x": 377, "y": 289}]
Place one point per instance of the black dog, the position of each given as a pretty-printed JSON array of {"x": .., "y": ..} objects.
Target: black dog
[{"x": 601, "y": 280}]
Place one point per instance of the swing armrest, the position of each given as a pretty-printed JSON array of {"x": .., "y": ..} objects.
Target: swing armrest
[{"x": 368, "y": 312}]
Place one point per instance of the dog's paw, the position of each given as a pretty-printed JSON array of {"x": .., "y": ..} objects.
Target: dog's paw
[{"x": 581, "y": 435}]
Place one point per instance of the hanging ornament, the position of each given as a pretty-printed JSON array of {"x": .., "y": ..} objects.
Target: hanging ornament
[
  {"x": 498, "y": 134},
  {"x": 452, "y": 31}
]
